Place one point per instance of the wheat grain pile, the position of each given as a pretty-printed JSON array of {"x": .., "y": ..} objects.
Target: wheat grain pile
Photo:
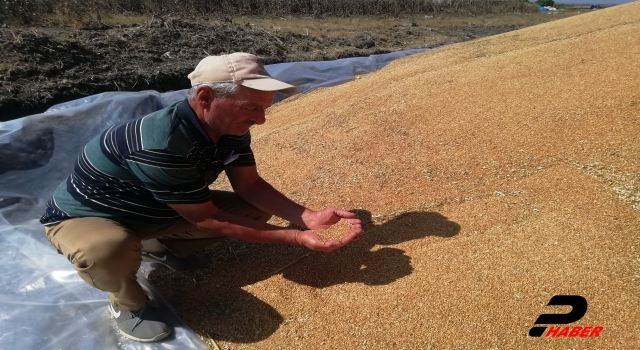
[{"x": 490, "y": 176}]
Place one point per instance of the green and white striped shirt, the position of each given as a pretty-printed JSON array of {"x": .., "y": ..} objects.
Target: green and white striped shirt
[{"x": 132, "y": 171}]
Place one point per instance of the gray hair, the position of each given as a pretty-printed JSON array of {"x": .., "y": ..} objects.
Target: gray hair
[{"x": 221, "y": 90}]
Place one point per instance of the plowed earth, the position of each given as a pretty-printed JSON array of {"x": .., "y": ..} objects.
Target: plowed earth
[{"x": 40, "y": 67}]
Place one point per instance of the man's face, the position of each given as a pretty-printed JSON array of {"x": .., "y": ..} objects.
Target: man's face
[{"x": 236, "y": 113}]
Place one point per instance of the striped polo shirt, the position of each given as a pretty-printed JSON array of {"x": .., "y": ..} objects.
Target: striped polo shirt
[{"x": 132, "y": 171}]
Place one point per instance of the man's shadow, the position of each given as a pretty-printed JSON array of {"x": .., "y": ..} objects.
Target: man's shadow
[
  {"x": 219, "y": 300},
  {"x": 369, "y": 260}
]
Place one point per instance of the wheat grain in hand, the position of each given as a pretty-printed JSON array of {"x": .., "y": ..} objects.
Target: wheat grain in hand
[{"x": 336, "y": 231}]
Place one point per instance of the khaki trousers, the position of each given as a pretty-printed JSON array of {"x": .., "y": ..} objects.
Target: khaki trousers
[{"x": 107, "y": 255}]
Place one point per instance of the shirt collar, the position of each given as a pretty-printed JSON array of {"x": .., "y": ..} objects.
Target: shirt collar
[{"x": 186, "y": 113}]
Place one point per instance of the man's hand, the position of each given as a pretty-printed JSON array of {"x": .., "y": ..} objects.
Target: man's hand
[
  {"x": 321, "y": 220},
  {"x": 311, "y": 240}
]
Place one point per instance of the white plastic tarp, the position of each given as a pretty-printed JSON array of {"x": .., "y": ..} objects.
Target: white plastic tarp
[{"x": 43, "y": 302}]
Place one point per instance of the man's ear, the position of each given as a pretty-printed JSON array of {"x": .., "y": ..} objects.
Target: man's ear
[{"x": 204, "y": 96}]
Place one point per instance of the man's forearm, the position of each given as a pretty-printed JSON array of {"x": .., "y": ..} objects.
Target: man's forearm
[
  {"x": 248, "y": 230},
  {"x": 263, "y": 196}
]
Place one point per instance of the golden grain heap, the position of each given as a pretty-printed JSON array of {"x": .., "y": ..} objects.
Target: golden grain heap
[{"x": 491, "y": 175}]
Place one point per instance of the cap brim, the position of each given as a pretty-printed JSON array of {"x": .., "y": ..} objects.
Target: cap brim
[{"x": 269, "y": 84}]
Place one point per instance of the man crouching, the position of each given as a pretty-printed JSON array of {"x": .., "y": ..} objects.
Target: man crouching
[{"x": 139, "y": 191}]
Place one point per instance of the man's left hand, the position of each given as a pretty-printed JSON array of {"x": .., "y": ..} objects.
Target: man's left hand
[{"x": 321, "y": 220}]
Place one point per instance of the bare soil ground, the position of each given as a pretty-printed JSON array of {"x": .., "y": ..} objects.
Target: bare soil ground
[
  {"x": 486, "y": 186},
  {"x": 43, "y": 66}
]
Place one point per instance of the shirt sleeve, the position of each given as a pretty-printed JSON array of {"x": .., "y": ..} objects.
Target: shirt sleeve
[{"x": 171, "y": 178}]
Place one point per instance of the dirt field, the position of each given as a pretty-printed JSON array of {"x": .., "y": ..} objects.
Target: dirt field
[
  {"x": 44, "y": 66},
  {"x": 491, "y": 175}
]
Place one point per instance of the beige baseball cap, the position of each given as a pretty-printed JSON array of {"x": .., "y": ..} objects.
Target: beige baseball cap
[{"x": 241, "y": 68}]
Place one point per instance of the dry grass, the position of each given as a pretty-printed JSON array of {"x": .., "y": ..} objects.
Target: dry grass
[
  {"x": 336, "y": 27},
  {"x": 27, "y": 12}
]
